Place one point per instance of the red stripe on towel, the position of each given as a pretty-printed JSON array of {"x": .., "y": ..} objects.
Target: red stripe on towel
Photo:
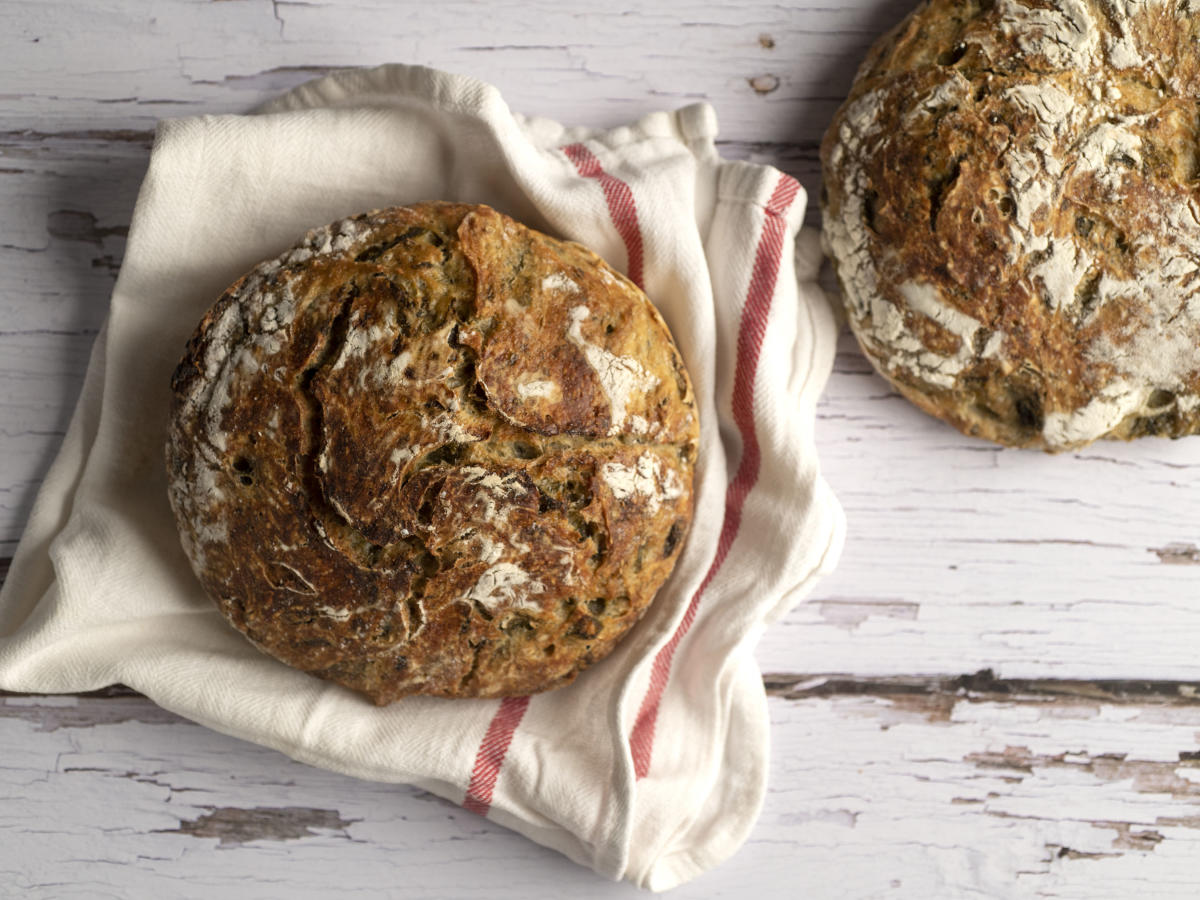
[
  {"x": 749, "y": 347},
  {"x": 622, "y": 208},
  {"x": 621, "y": 205},
  {"x": 491, "y": 754}
]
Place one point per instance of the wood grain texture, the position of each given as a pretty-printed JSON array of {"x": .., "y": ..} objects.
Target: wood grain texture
[
  {"x": 1013, "y": 705},
  {"x": 67, "y": 198},
  {"x": 1036, "y": 566},
  {"x": 587, "y": 64},
  {"x": 876, "y": 791}
]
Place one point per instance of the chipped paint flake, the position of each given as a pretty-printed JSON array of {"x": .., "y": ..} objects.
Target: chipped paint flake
[
  {"x": 235, "y": 826},
  {"x": 1179, "y": 554}
]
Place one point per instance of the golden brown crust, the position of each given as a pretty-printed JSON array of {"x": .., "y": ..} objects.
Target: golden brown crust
[
  {"x": 430, "y": 450},
  {"x": 1012, "y": 206}
]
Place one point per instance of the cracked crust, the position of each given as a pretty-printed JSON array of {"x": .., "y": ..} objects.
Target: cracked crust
[
  {"x": 1012, "y": 205},
  {"x": 429, "y": 450}
]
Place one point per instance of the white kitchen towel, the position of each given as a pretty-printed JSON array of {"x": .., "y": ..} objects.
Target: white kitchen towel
[{"x": 652, "y": 766}]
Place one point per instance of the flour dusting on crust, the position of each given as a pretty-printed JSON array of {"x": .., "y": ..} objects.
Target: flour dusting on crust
[
  {"x": 620, "y": 376},
  {"x": 1011, "y": 208},
  {"x": 647, "y": 480}
]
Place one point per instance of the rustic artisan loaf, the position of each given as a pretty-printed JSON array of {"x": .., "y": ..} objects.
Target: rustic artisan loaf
[
  {"x": 430, "y": 450},
  {"x": 1011, "y": 204}
]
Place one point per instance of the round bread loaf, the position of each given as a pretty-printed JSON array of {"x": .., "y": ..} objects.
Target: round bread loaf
[
  {"x": 430, "y": 450},
  {"x": 1011, "y": 204}
]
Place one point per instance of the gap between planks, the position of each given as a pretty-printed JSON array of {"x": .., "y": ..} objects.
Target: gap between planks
[
  {"x": 940, "y": 692},
  {"x": 930, "y": 693}
]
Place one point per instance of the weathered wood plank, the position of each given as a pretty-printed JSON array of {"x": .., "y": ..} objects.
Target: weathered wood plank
[
  {"x": 913, "y": 788},
  {"x": 775, "y": 71},
  {"x": 1033, "y": 565},
  {"x": 67, "y": 199}
]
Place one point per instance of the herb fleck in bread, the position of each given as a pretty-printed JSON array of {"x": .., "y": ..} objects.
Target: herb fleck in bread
[
  {"x": 430, "y": 450},
  {"x": 1012, "y": 206}
]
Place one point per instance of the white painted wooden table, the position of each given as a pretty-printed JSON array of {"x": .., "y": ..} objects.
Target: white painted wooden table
[{"x": 996, "y": 695}]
